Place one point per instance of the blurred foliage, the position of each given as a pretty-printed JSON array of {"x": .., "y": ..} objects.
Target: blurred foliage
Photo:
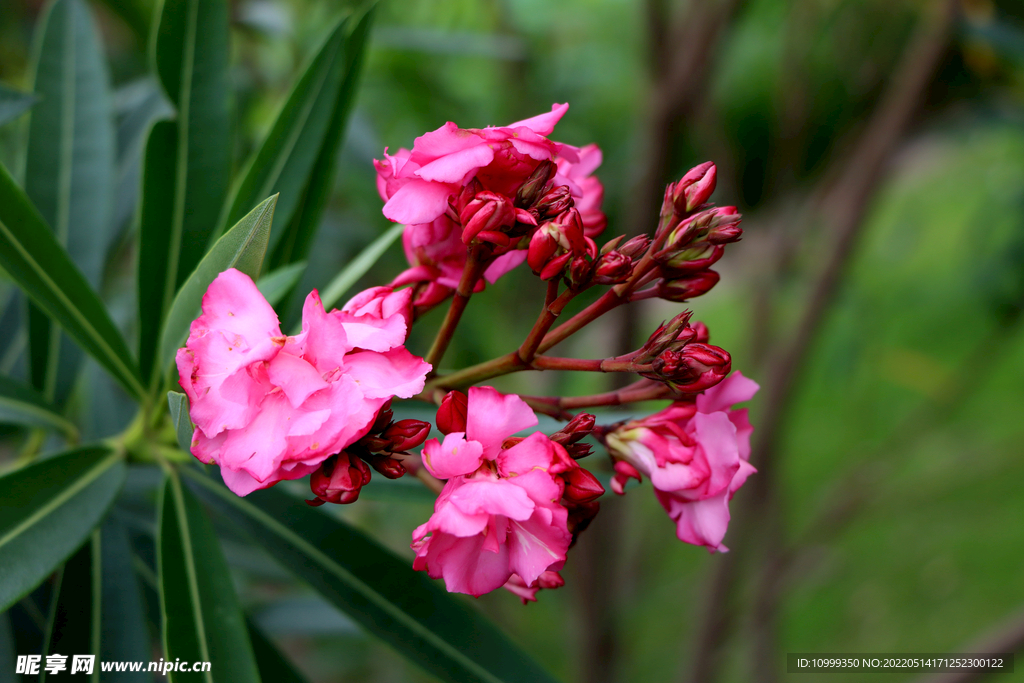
[{"x": 910, "y": 405}]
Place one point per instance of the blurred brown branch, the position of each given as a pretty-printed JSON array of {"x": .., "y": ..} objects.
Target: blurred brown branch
[
  {"x": 1007, "y": 638},
  {"x": 840, "y": 207}
]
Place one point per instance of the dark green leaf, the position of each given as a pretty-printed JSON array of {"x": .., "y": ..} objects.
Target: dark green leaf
[
  {"x": 134, "y": 13},
  {"x": 69, "y": 174},
  {"x": 190, "y": 54},
  {"x": 21, "y": 404},
  {"x": 358, "y": 267},
  {"x": 183, "y": 427},
  {"x": 376, "y": 588},
  {"x": 284, "y": 161},
  {"x": 75, "y": 614},
  {"x": 298, "y": 234},
  {"x": 273, "y": 665},
  {"x": 242, "y": 247},
  {"x": 32, "y": 257},
  {"x": 202, "y": 619},
  {"x": 275, "y": 286},
  {"x": 49, "y": 509},
  {"x": 13, "y": 103},
  {"x": 139, "y": 105},
  {"x": 124, "y": 636}
]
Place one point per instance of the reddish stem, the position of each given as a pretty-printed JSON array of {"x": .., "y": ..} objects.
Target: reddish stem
[{"x": 471, "y": 273}]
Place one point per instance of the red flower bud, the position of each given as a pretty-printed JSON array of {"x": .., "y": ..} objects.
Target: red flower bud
[
  {"x": 339, "y": 479},
  {"x": 389, "y": 467},
  {"x": 406, "y": 434},
  {"x": 451, "y": 415},
  {"x": 685, "y": 288},
  {"x": 703, "y": 335},
  {"x": 577, "y": 428},
  {"x": 542, "y": 248},
  {"x": 384, "y": 417},
  {"x": 581, "y": 271},
  {"x": 613, "y": 268},
  {"x": 580, "y": 517},
  {"x": 532, "y": 188},
  {"x": 581, "y": 487},
  {"x": 694, "y": 188},
  {"x": 695, "y": 367},
  {"x": 636, "y": 246},
  {"x": 666, "y": 335},
  {"x": 487, "y": 212},
  {"x": 556, "y": 201}
]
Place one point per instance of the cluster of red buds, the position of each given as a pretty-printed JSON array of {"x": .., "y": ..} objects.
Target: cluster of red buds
[{"x": 340, "y": 478}]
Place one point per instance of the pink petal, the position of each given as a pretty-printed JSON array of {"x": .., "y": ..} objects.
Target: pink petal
[
  {"x": 498, "y": 497},
  {"x": 716, "y": 436},
  {"x": 448, "y": 139},
  {"x": 732, "y": 390},
  {"x": 452, "y": 457},
  {"x": 383, "y": 375},
  {"x": 465, "y": 566},
  {"x": 493, "y": 417},
  {"x": 543, "y": 124},
  {"x": 418, "y": 201},
  {"x": 504, "y": 264},
  {"x": 533, "y": 452},
  {"x": 297, "y": 378},
  {"x": 539, "y": 542},
  {"x": 702, "y": 522},
  {"x": 454, "y": 167}
]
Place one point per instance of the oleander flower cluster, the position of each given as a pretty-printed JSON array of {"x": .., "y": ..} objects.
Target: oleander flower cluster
[{"x": 512, "y": 499}]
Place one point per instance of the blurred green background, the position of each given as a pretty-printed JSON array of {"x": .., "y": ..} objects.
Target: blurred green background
[{"x": 889, "y": 512}]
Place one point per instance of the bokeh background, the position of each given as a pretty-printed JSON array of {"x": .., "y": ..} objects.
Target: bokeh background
[{"x": 876, "y": 148}]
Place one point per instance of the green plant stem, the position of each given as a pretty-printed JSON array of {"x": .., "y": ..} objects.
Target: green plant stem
[{"x": 475, "y": 266}]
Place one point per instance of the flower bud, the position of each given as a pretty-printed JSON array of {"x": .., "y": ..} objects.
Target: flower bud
[
  {"x": 543, "y": 245},
  {"x": 451, "y": 414},
  {"x": 725, "y": 226},
  {"x": 686, "y": 288},
  {"x": 636, "y": 246},
  {"x": 694, "y": 188},
  {"x": 489, "y": 213},
  {"x": 581, "y": 271},
  {"x": 581, "y": 487},
  {"x": 405, "y": 435},
  {"x": 666, "y": 335},
  {"x": 391, "y": 468},
  {"x": 339, "y": 479},
  {"x": 611, "y": 244},
  {"x": 693, "y": 368},
  {"x": 556, "y": 201},
  {"x": 613, "y": 268},
  {"x": 534, "y": 186},
  {"x": 384, "y": 418},
  {"x": 580, "y": 517},
  {"x": 577, "y": 428},
  {"x": 701, "y": 330}
]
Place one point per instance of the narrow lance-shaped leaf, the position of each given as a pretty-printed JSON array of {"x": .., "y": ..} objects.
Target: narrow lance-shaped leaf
[
  {"x": 183, "y": 427},
  {"x": 14, "y": 103},
  {"x": 124, "y": 635},
  {"x": 190, "y": 55},
  {"x": 201, "y": 617},
  {"x": 376, "y": 588},
  {"x": 273, "y": 664},
  {"x": 48, "y": 510},
  {"x": 242, "y": 247},
  {"x": 21, "y": 404},
  {"x": 274, "y": 286},
  {"x": 32, "y": 257},
  {"x": 297, "y": 237},
  {"x": 69, "y": 174},
  {"x": 74, "y": 624},
  {"x": 284, "y": 161}
]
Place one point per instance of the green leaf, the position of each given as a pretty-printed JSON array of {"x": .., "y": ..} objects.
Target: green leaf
[
  {"x": 30, "y": 254},
  {"x": 358, "y": 267},
  {"x": 275, "y": 286},
  {"x": 201, "y": 617},
  {"x": 190, "y": 49},
  {"x": 376, "y": 588},
  {"x": 273, "y": 665},
  {"x": 74, "y": 624},
  {"x": 183, "y": 426},
  {"x": 13, "y": 103},
  {"x": 298, "y": 234},
  {"x": 69, "y": 173},
  {"x": 242, "y": 247},
  {"x": 49, "y": 508},
  {"x": 21, "y": 404},
  {"x": 124, "y": 635},
  {"x": 287, "y": 156}
]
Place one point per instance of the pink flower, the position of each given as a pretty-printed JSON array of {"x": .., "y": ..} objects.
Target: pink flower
[
  {"x": 417, "y": 184},
  {"x": 502, "y": 519},
  {"x": 459, "y": 185},
  {"x": 696, "y": 455},
  {"x": 269, "y": 407}
]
